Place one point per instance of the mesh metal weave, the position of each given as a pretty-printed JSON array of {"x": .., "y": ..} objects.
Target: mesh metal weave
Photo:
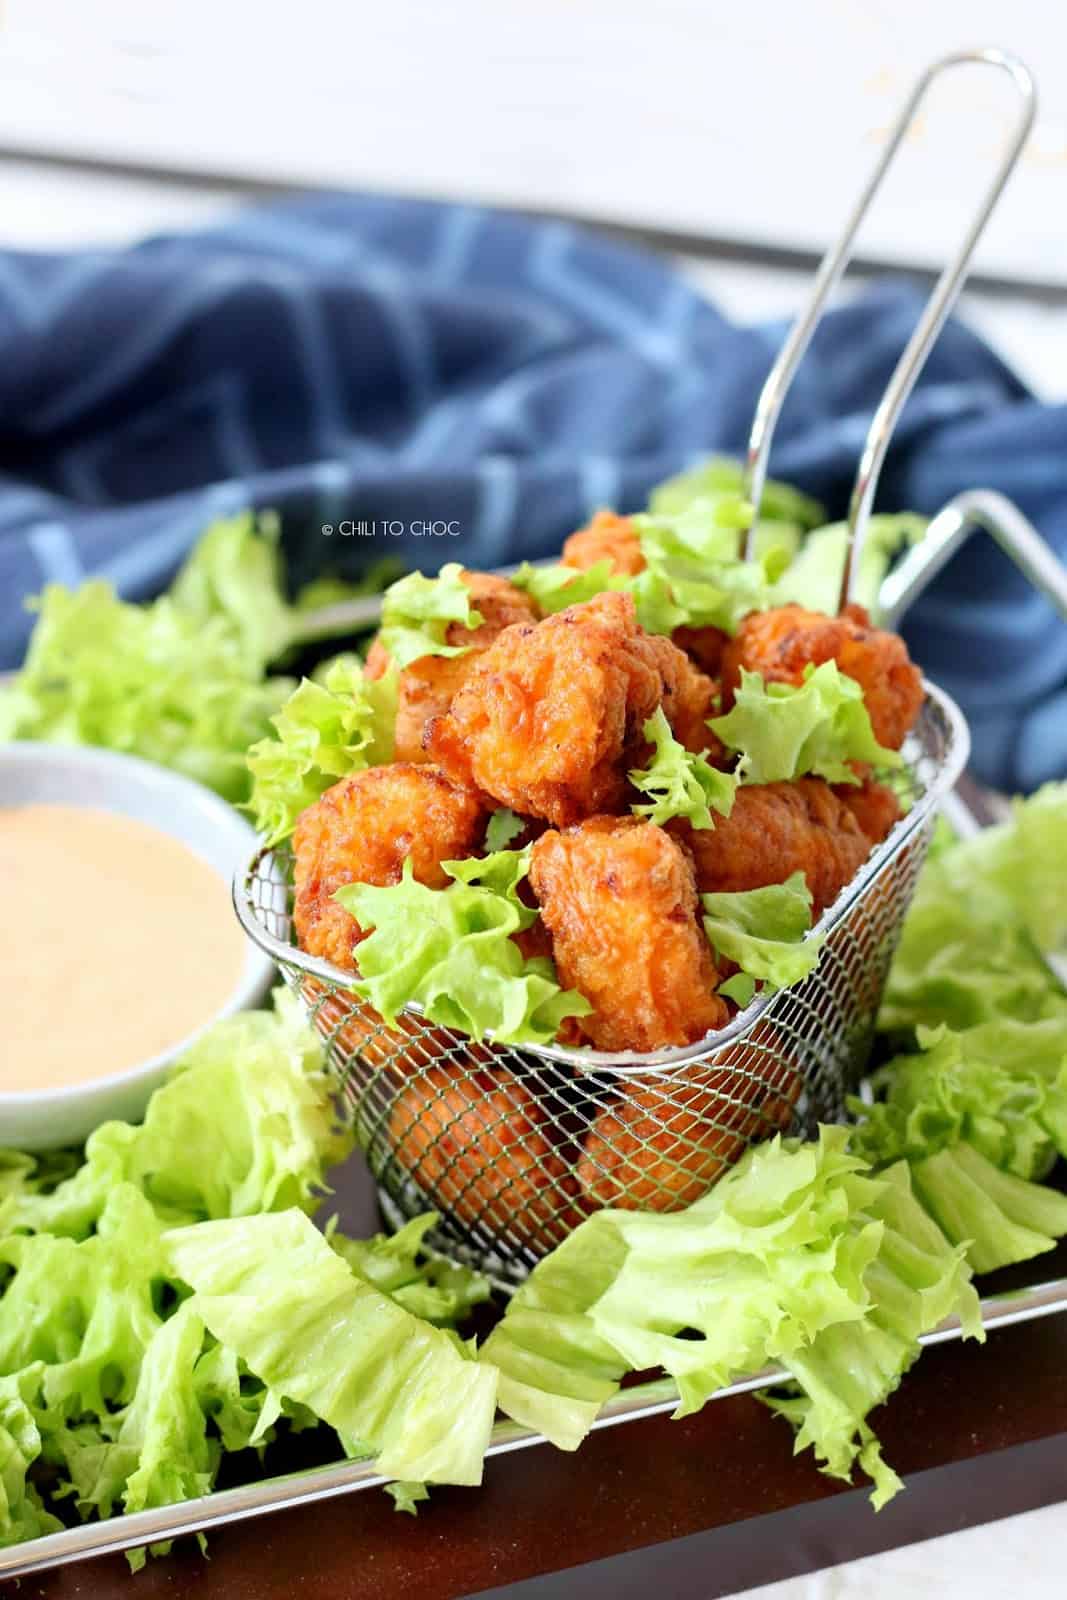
[{"x": 513, "y": 1147}]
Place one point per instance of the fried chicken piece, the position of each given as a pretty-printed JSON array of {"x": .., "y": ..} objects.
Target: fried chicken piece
[
  {"x": 780, "y": 643},
  {"x": 874, "y": 806},
  {"x": 551, "y": 712},
  {"x": 428, "y": 686},
  {"x": 664, "y": 1143},
  {"x": 774, "y": 830},
  {"x": 361, "y": 831},
  {"x": 608, "y": 537},
  {"x": 479, "y": 1146},
  {"x": 617, "y": 896}
]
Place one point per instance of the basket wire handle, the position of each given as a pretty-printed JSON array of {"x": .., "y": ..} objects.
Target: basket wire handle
[
  {"x": 930, "y": 324},
  {"x": 963, "y": 515}
]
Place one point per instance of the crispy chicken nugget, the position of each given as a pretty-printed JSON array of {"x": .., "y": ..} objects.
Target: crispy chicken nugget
[
  {"x": 874, "y": 806},
  {"x": 361, "y": 831},
  {"x": 618, "y": 898},
  {"x": 774, "y": 830},
  {"x": 479, "y": 1145},
  {"x": 608, "y": 537},
  {"x": 664, "y": 1143},
  {"x": 780, "y": 643},
  {"x": 428, "y": 686},
  {"x": 551, "y": 712}
]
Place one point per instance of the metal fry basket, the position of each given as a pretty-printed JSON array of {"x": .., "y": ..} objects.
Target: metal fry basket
[{"x": 514, "y": 1146}]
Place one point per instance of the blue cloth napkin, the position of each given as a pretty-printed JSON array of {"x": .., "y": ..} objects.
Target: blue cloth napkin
[{"x": 442, "y": 382}]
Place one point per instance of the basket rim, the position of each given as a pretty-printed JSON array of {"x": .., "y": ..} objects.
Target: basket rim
[{"x": 633, "y": 1061}]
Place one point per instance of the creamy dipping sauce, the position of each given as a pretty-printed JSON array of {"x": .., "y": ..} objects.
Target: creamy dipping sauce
[{"x": 117, "y": 943}]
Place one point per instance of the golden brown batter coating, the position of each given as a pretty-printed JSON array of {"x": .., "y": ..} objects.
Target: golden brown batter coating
[
  {"x": 429, "y": 685},
  {"x": 780, "y": 643},
  {"x": 874, "y": 806},
  {"x": 608, "y": 537},
  {"x": 361, "y": 831},
  {"x": 617, "y": 896},
  {"x": 479, "y": 1145},
  {"x": 551, "y": 713},
  {"x": 774, "y": 830}
]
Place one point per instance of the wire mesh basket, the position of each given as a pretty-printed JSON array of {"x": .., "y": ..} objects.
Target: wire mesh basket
[{"x": 514, "y": 1146}]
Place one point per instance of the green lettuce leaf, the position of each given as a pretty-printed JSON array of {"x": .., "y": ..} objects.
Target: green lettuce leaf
[
  {"x": 502, "y": 828},
  {"x": 407, "y": 1496},
  {"x": 784, "y": 731},
  {"x": 326, "y": 729},
  {"x": 417, "y": 611},
  {"x": 272, "y": 1289},
  {"x": 556, "y": 1370},
  {"x": 451, "y": 952},
  {"x": 763, "y": 931},
  {"x": 813, "y": 579},
  {"x": 969, "y": 950},
  {"x": 693, "y": 558},
  {"x": 852, "y": 1365},
  {"x": 22, "y": 1514},
  {"x": 554, "y": 588},
  {"x": 723, "y": 475},
  {"x": 245, "y": 1124},
  {"x": 680, "y": 783},
  {"x": 83, "y": 1310},
  {"x": 443, "y": 1292},
  {"x": 235, "y": 573},
  {"x": 966, "y": 1086},
  {"x": 996, "y": 1217},
  {"x": 149, "y": 680}
]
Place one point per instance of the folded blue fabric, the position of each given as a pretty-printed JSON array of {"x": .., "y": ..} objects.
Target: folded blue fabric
[{"x": 441, "y": 382}]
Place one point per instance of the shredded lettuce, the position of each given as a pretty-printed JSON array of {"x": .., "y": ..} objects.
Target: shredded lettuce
[
  {"x": 996, "y": 1217},
  {"x": 554, "y": 588},
  {"x": 181, "y": 681},
  {"x": 271, "y": 1289},
  {"x": 451, "y": 951},
  {"x": 969, "y": 950},
  {"x": 763, "y": 931},
  {"x": 965, "y": 1086},
  {"x": 813, "y": 579},
  {"x": 417, "y": 611},
  {"x": 327, "y": 728},
  {"x": 441, "y": 1291},
  {"x": 798, "y": 1255},
  {"x": 680, "y": 783},
  {"x": 784, "y": 731},
  {"x": 146, "y": 680},
  {"x": 22, "y": 1513},
  {"x": 723, "y": 475},
  {"x": 502, "y": 828}
]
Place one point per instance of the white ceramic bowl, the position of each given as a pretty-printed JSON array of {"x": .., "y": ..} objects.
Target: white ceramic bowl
[{"x": 40, "y": 1119}]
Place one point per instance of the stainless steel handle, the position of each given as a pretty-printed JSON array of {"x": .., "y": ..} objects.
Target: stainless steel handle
[
  {"x": 937, "y": 309},
  {"x": 975, "y": 509}
]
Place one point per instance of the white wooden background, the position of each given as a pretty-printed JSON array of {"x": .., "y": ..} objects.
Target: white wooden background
[{"x": 752, "y": 120}]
